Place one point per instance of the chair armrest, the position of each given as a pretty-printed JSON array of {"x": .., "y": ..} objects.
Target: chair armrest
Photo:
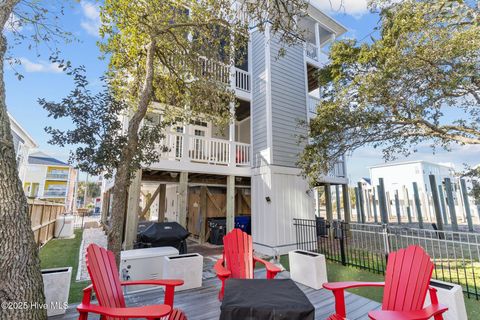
[
  {"x": 169, "y": 287},
  {"x": 350, "y": 284},
  {"x": 220, "y": 270},
  {"x": 272, "y": 269},
  {"x": 155, "y": 311},
  {"x": 172, "y": 282},
  {"x": 424, "y": 314}
]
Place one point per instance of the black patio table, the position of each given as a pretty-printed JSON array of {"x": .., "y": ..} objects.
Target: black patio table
[{"x": 255, "y": 299}]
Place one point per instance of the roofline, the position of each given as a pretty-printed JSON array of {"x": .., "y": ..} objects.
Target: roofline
[
  {"x": 409, "y": 162},
  {"x": 338, "y": 28},
  {"x": 29, "y": 137}
]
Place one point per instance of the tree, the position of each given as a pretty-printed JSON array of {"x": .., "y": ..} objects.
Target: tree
[
  {"x": 20, "y": 277},
  {"x": 416, "y": 83},
  {"x": 163, "y": 55}
]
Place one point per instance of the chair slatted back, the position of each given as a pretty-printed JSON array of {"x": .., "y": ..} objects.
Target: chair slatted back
[
  {"x": 407, "y": 279},
  {"x": 238, "y": 254},
  {"x": 105, "y": 277}
]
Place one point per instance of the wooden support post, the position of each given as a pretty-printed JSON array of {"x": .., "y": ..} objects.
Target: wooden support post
[
  {"x": 133, "y": 206},
  {"x": 346, "y": 203},
  {"x": 230, "y": 203},
  {"x": 382, "y": 201},
  {"x": 397, "y": 208},
  {"x": 374, "y": 205},
  {"x": 466, "y": 204},
  {"x": 183, "y": 199},
  {"x": 162, "y": 202},
  {"x": 407, "y": 200},
  {"x": 368, "y": 206},
  {"x": 203, "y": 213},
  {"x": 451, "y": 204},
  {"x": 443, "y": 205},
  {"x": 357, "y": 205},
  {"x": 362, "y": 206},
  {"x": 418, "y": 205},
  {"x": 337, "y": 200},
  {"x": 436, "y": 202},
  {"x": 328, "y": 202}
]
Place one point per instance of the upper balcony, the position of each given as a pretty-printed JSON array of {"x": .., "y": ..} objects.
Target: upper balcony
[
  {"x": 317, "y": 36},
  {"x": 237, "y": 77},
  {"x": 57, "y": 176},
  {"x": 206, "y": 148}
]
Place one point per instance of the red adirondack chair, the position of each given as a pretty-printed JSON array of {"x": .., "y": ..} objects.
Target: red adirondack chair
[
  {"x": 105, "y": 281},
  {"x": 406, "y": 284},
  {"x": 238, "y": 260}
]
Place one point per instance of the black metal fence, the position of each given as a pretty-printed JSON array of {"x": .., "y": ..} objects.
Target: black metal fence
[{"x": 456, "y": 254}]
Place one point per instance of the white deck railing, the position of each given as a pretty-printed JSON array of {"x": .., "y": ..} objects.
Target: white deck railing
[
  {"x": 313, "y": 102},
  {"x": 311, "y": 50},
  {"x": 242, "y": 80},
  {"x": 183, "y": 147}
]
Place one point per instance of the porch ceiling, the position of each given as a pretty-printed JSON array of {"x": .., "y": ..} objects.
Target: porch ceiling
[{"x": 193, "y": 178}]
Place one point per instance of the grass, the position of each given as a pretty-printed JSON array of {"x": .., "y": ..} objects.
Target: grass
[
  {"x": 338, "y": 272},
  {"x": 64, "y": 253}
]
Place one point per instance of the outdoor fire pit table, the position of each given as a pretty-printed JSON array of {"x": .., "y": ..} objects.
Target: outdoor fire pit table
[{"x": 276, "y": 299}]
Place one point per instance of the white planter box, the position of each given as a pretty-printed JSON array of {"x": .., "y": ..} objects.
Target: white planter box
[
  {"x": 143, "y": 264},
  {"x": 56, "y": 284},
  {"x": 187, "y": 267},
  {"x": 308, "y": 268},
  {"x": 450, "y": 295}
]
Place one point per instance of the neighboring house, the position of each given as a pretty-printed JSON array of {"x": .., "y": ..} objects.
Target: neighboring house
[
  {"x": 249, "y": 167},
  {"x": 49, "y": 179},
  {"x": 396, "y": 175},
  {"x": 23, "y": 144}
]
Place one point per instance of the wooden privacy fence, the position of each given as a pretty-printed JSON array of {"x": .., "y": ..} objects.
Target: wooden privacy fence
[{"x": 43, "y": 215}]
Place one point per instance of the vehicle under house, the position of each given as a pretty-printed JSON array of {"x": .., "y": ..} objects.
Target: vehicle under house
[{"x": 248, "y": 167}]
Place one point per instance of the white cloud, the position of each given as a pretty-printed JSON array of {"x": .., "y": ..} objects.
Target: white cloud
[
  {"x": 91, "y": 17},
  {"x": 355, "y": 8},
  {"x": 40, "y": 66}
]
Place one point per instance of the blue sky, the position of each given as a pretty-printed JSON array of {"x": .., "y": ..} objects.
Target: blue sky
[{"x": 44, "y": 80}]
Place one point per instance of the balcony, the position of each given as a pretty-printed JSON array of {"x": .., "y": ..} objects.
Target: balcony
[
  {"x": 195, "y": 149},
  {"x": 55, "y": 193},
  {"x": 57, "y": 176},
  {"x": 220, "y": 72}
]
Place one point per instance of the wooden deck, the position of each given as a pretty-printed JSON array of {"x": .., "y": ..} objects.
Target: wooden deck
[{"x": 202, "y": 303}]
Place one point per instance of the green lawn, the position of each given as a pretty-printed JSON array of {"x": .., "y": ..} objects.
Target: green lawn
[
  {"x": 338, "y": 272},
  {"x": 64, "y": 253}
]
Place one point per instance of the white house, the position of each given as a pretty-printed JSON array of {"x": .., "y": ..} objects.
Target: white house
[
  {"x": 247, "y": 168},
  {"x": 23, "y": 144},
  {"x": 396, "y": 175}
]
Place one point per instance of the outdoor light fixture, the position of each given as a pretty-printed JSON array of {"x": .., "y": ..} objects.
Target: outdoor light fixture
[
  {"x": 268, "y": 199},
  {"x": 173, "y": 174}
]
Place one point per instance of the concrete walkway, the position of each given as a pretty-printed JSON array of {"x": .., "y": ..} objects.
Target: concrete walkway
[{"x": 93, "y": 235}]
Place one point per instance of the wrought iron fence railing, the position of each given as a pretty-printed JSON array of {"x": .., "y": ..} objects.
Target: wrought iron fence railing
[{"x": 456, "y": 254}]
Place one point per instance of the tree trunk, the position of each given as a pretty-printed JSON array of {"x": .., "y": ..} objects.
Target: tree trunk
[
  {"x": 20, "y": 278},
  {"x": 124, "y": 170}
]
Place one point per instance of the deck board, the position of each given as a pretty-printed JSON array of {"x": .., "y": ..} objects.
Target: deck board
[{"x": 202, "y": 303}]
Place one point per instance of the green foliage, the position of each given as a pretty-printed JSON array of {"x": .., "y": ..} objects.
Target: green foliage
[{"x": 417, "y": 83}]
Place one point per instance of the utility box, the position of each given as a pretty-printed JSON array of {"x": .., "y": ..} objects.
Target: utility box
[
  {"x": 308, "y": 268},
  {"x": 143, "y": 264},
  {"x": 450, "y": 295},
  {"x": 56, "y": 286},
  {"x": 186, "y": 267},
  {"x": 64, "y": 226}
]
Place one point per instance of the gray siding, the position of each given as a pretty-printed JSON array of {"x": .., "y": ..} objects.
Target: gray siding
[
  {"x": 288, "y": 103},
  {"x": 259, "y": 121}
]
